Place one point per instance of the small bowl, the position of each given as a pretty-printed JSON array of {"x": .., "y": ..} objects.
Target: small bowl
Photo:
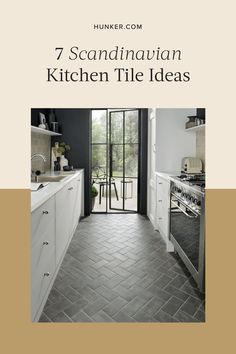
[{"x": 67, "y": 168}]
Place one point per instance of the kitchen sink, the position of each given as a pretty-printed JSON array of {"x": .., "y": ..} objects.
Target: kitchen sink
[{"x": 49, "y": 178}]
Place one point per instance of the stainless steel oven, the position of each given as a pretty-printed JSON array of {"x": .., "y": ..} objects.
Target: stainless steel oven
[{"x": 187, "y": 227}]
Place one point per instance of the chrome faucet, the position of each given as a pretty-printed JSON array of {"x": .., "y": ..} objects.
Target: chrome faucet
[{"x": 44, "y": 160}]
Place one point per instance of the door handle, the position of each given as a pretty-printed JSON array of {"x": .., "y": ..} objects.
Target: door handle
[{"x": 184, "y": 212}]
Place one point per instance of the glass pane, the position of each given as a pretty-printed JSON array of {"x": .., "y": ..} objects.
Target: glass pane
[
  {"x": 99, "y": 177},
  {"x": 98, "y": 161},
  {"x": 117, "y": 160},
  {"x": 116, "y": 127},
  {"x": 99, "y": 126},
  {"x": 131, "y": 160},
  {"x": 131, "y": 127},
  {"x": 116, "y": 201},
  {"x": 130, "y": 193}
]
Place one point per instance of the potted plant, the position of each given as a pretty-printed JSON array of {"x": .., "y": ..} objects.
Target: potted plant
[
  {"x": 94, "y": 193},
  {"x": 62, "y": 148}
]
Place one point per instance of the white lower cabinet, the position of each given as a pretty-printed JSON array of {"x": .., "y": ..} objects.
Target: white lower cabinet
[
  {"x": 43, "y": 252},
  {"x": 151, "y": 200},
  {"x": 53, "y": 225},
  {"x": 65, "y": 208},
  {"x": 79, "y": 200},
  {"x": 163, "y": 210}
]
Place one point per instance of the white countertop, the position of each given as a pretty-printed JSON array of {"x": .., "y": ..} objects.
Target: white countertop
[
  {"x": 167, "y": 175},
  {"x": 42, "y": 195}
]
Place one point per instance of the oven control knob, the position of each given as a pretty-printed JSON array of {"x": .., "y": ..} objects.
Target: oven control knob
[
  {"x": 198, "y": 203},
  {"x": 178, "y": 190}
]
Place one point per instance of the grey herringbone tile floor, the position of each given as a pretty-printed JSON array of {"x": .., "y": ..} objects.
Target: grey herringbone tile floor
[{"x": 116, "y": 269}]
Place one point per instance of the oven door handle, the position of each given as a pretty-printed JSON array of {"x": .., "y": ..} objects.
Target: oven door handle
[{"x": 184, "y": 212}]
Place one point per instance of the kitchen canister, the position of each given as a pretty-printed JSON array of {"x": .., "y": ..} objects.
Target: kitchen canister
[
  {"x": 54, "y": 127},
  {"x": 63, "y": 162}
]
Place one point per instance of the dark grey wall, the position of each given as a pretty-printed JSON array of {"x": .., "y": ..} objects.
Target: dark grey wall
[
  {"x": 201, "y": 112},
  {"x": 35, "y": 115},
  {"x": 75, "y": 127},
  {"x": 142, "y": 206}
]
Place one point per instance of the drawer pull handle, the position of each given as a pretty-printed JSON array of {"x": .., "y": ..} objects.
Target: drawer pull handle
[
  {"x": 70, "y": 189},
  {"x": 160, "y": 183},
  {"x": 78, "y": 180},
  {"x": 45, "y": 243},
  {"x": 45, "y": 212},
  {"x": 46, "y": 274},
  {"x": 160, "y": 200},
  {"x": 160, "y": 218}
]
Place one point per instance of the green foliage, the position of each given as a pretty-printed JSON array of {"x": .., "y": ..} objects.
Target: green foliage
[
  {"x": 99, "y": 134},
  {"x": 94, "y": 192},
  {"x": 63, "y": 147}
]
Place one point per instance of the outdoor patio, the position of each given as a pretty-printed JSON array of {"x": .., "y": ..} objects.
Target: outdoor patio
[{"x": 130, "y": 193}]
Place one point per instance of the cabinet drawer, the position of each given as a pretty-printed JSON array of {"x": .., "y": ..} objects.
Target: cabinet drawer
[
  {"x": 162, "y": 206},
  {"x": 43, "y": 249},
  {"x": 162, "y": 187},
  {"x": 42, "y": 219},
  {"x": 163, "y": 227},
  {"x": 41, "y": 279}
]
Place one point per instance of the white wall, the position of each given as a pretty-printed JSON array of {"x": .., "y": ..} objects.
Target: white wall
[{"x": 172, "y": 142}]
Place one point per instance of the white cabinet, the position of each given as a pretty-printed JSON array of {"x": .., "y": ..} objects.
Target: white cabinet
[
  {"x": 43, "y": 252},
  {"x": 53, "y": 225},
  {"x": 68, "y": 211},
  {"x": 151, "y": 187},
  {"x": 168, "y": 143},
  {"x": 65, "y": 209},
  {"x": 163, "y": 210},
  {"x": 78, "y": 200}
]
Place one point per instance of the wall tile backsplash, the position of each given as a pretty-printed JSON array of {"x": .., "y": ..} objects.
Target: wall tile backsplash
[
  {"x": 200, "y": 146},
  {"x": 40, "y": 144}
]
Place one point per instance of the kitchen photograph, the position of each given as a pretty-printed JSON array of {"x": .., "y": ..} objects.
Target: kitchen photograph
[{"x": 118, "y": 215}]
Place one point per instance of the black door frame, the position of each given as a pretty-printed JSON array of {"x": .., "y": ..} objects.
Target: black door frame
[
  {"x": 142, "y": 164},
  {"x": 123, "y": 209}
]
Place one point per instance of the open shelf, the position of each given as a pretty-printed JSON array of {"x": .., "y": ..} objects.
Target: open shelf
[
  {"x": 196, "y": 128},
  {"x": 43, "y": 131}
]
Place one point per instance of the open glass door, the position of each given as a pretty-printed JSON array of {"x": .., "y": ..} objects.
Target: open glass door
[
  {"x": 123, "y": 160},
  {"x": 99, "y": 165}
]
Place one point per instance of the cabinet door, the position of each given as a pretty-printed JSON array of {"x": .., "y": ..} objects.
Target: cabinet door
[
  {"x": 151, "y": 205},
  {"x": 63, "y": 212},
  {"x": 43, "y": 252},
  {"x": 42, "y": 220},
  {"x": 163, "y": 209},
  {"x": 162, "y": 195},
  {"x": 41, "y": 280},
  {"x": 73, "y": 205},
  {"x": 78, "y": 201}
]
